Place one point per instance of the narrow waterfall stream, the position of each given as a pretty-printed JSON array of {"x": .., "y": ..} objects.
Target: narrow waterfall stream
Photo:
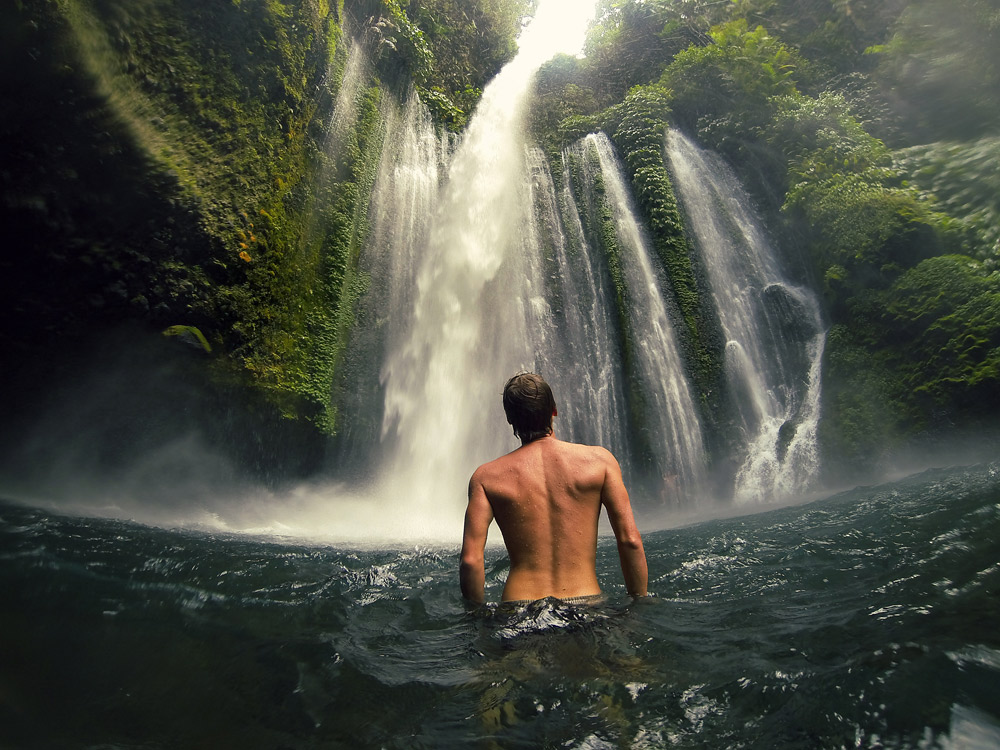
[
  {"x": 580, "y": 356},
  {"x": 672, "y": 432},
  {"x": 345, "y": 109},
  {"x": 772, "y": 327}
]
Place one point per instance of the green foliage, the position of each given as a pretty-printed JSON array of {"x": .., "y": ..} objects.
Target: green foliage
[
  {"x": 832, "y": 34},
  {"x": 341, "y": 240},
  {"x": 562, "y": 108},
  {"x": 637, "y": 127},
  {"x": 471, "y": 42},
  {"x": 966, "y": 367},
  {"x": 964, "y": 181},
  {"x": 821, "y": 137},
  {"x": 946, "y": 313},
  {"x": 632, "y": 42},
  {"x": 219, "y": 101},
  {"x": 933, "y": 290},
  {"x": 874, "y": 223},
  {"x": 865, "y": 225},
  {"x": 740, "y": 72},
  {"x": 940, "y": 63},
  {"x": 449, "y": 49},
  {"x": 405, "y": 38},
  {"x": 862, "y": 422},
  {"x": 859, "y": 224},
  {"x": 914, "y": 359}
]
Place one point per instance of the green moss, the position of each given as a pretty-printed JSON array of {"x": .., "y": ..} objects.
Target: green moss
[
  {"x": 912, "y": 360},
  {"x": 344, "y": 236},
  {"x": 637, "y": 127},
  {"x": 597, "y": 219},
  {"x": 221, "y": 101},
  {"x": 723, "y": 91},
  {"x": 448, "y": 49},
  {"x": 862, "y": 423}
]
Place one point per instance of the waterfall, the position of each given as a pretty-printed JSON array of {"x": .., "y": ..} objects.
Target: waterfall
[
  {"x": 580, "y": 354},
  {"x": 465, "y": 301},
  {"x": 773, "y": 330},
  {"x": 480, "y": 266},
  {"x": 467, "y": 307},
  {"x": 345, "y": 109},
  {"x": 668, "y": 418},
  {"x": 406, "y": 189}
]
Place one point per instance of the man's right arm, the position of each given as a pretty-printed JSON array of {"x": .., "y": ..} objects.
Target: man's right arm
[
  {"x": 478, "y": 516},
  {"x": 631, "y": 553}
]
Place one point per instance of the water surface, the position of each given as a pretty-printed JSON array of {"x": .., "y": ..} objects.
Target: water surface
[{"x": 868, "y": 619}]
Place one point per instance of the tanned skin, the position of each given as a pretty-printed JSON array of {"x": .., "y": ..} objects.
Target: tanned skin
[{"x": 546, "y": 497}]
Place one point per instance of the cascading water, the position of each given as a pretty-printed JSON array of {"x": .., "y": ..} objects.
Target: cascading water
[
  {"x": 343, "y": 120},
  {"x": 774, "y": 334},
  {"x": 464, "y": 304},
  {"x": 672, "y": 430},
  {"x": 580, "y": 353},
  {"x": 413, "y": 160},
  {"x": 345, "y": 109},
  {"x": 480, "y": 267},
  {"x": 469, "y": 322}
]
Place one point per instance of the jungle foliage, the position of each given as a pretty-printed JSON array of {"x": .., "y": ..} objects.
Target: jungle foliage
[
  {"x": 171, "y": 162},
  {"x": 449, "y": 49},
  {"x": 868, "y": 135}
]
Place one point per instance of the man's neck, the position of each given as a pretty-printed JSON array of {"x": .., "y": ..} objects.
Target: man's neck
[{"x": 550, "y": 436}]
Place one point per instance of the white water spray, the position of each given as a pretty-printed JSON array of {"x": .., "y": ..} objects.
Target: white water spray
[
  {"x": 468, "y": 326},
  {"x": 773, "y": 329},
  {"x": 676, "y": 436},
  {"x": 580, "y": 355},
  {"x": 345, "y": 109}
]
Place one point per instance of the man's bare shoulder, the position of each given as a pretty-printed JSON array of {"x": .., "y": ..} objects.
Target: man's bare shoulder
[
  {"x": 593, "y": 453},
  {"x": 527, "y": 455},
  {"x": 485, "y": 470},
  {"x": 494, "y": 468}
]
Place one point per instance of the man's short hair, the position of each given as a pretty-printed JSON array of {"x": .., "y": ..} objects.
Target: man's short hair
[{"x": 529, "y": 406}]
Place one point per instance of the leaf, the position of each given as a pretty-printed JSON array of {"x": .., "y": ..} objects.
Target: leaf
[{"x": 187, "y": 332}]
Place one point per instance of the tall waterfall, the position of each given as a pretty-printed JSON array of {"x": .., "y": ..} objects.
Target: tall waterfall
[
  {"x": 460, "y": 303},
  {"x": 676, "y": 458},
  {"x": 481, "y": 264},
  {"x": 466, "y": 305},
  {"x": 773, "y": 330}
]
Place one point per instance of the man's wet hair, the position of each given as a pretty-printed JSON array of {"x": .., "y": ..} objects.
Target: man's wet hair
[{"x": 529, "y": 405}]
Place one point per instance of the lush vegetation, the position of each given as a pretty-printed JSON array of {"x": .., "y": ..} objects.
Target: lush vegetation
[
  {"x": 173, "y": 164},
  {"x": 636, "y": 126},
  {"x": 867, "y": 145},
  {"x": 449, "y": 49}
]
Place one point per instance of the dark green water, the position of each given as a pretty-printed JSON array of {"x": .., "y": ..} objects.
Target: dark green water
[{"x": 869, "y": 619}]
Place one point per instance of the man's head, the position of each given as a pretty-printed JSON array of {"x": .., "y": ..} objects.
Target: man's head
[{"x": 529, "y": 406}]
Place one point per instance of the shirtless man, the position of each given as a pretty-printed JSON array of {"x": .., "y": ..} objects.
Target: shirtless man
[{"x": 546, "y": 497}]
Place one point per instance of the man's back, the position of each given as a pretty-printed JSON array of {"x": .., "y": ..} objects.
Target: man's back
[{"x": 546, "y": 497}]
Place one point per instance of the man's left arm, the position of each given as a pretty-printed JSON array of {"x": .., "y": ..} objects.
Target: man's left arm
[
  {"x": 478, "y": 516},
  {"x": 631, "y": 553}
]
